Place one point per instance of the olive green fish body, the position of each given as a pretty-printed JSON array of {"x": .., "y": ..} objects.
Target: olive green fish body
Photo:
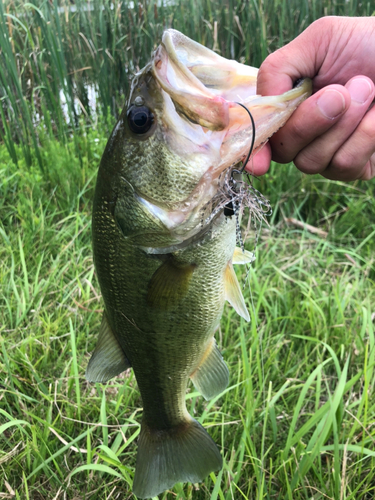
[
  {"x": 163, "y": 310},
  {"x": 164, "y": 250},
  {"x": 163, "y": 337}
]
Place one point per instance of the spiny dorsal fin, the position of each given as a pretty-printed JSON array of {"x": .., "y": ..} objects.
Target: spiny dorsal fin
[
  {"x": 233, "y": 292},
  {"x": 242, "y": 257},
  {"x": 212, "y": 375},
  {"x": 108, "y": 359},
  {"x": 169, "y": 284}
]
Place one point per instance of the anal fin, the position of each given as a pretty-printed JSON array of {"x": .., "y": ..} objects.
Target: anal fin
[
  {"x": 108, "y": 358},
  {"x": 212, "y": 375},
  {"x": 233, "y": 292}
]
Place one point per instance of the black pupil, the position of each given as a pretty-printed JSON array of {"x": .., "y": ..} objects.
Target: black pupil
[{"x": 140, "y": 119}]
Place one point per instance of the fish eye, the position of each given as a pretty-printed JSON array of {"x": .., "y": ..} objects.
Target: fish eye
[{"x": 140, "y": 119}]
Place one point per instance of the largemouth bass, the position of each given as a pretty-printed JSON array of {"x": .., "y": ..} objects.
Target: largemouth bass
[{"x": 164, "y": 249}]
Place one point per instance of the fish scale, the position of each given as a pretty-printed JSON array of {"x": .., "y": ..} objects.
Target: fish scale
[{"x": 164, "y": 249}]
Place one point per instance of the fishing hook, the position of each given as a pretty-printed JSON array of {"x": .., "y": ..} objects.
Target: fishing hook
[
  {"x": 229, "y": 209},
  {"x": 252, "y": 139}
]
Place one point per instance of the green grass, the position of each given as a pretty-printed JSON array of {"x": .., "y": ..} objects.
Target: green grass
[{"x": 296, "y": 422}]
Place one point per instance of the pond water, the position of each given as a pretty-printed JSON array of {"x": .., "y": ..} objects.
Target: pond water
[{"x": 92, "y": 97}]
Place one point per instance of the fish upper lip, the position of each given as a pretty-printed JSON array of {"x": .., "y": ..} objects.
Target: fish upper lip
[{"x": 183, "y": 67}]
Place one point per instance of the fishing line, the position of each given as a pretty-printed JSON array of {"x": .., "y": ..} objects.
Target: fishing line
[
  {"x": 257, "y": 233},
  {"x": 233, "y": 206}
]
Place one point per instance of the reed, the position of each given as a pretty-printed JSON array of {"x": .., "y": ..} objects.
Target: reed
[{"x": 54, "y": 54}]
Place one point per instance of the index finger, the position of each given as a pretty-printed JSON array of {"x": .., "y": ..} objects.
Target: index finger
[{"x": 301, "y": 58}]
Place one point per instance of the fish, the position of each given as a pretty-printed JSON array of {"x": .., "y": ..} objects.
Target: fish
[{"x": 164, "y": 242}]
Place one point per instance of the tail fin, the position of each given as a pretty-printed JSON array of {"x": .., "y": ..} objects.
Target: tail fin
[{"x": 183, "y": 453}]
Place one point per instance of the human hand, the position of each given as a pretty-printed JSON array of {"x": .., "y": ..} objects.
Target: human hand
[{"x": 333, "y": 131}]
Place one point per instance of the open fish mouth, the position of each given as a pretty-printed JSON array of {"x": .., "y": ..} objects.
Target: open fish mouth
[
  {"x": 205, "y": 88},
  {"x": 201, "y": 83},
  {"x": 201, "y": 106}
]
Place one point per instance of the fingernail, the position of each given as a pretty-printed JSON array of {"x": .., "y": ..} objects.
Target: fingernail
[
  {"x": 331, "y": 103},
  {"x": 360, "y": 90}
]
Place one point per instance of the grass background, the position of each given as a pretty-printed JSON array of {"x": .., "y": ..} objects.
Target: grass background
[{"x": 298, "y": 418}]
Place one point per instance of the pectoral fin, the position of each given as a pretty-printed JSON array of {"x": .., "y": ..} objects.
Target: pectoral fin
[
  {"x": 108, "y": 359},
  {"x": 233, "y": 292},
  {"x": 242, "y": 257},
  {"x": 212, "y": 375},
  {"x": 169, "y": 284}
]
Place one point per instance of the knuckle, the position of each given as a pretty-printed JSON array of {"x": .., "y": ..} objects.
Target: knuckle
[
  {"x": 367, "y": 130},
  {"x": 297, "y": 129},
  {"x": 357, "y": 157},
  {"x": 291, "y": 143},
  {"x": 369, "y": 172},
  {"x": 309, "y": 161},
  {"x": 344, "y": 160},
  {"x": 270, "y": 66},
  {"x": 321, "y": 31}
]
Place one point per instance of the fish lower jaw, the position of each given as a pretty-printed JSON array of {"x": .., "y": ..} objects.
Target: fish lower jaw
[{"x": 191, "y": 237}]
